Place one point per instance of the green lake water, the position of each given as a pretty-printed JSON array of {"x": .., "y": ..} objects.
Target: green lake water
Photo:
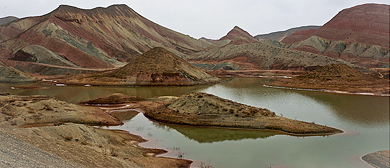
[{"x": 364, "y": 120}]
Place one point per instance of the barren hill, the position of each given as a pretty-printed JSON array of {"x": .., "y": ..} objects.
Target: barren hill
[
  {"x": 95, "y": 38},
  {"x": 368, "y": 24},
  {"x": 258, "y": 56},
  {"x": 155, "y": 67},
  {"x": 365, "y": 55},
  {"x": 237, "y": 32},
  {"x": 280, "y": 35}
]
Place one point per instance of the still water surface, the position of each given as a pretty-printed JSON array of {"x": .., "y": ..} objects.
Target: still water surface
[{"x": 364, "y": 119}]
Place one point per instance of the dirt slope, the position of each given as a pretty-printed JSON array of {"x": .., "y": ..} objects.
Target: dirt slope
[
  {"x": 258, "y": 56},
  {"x": 156, "y": 67},
  {"x": 95, "y": 38},
  {"x": 367, "y": 24}
]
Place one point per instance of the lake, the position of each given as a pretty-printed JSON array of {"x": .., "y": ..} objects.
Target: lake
[{"x": 364, "y": 120}]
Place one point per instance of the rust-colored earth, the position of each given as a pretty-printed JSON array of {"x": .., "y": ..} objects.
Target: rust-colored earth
[
  {"x": 368, "y": 24},
  {"x": 339, "y": 78}
]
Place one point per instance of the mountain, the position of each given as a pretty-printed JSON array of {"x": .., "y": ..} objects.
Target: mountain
[
  {"x": 79, "y": 38},
  {"x": 252, "y": 56},
  {"x": 367, "y": 24},
  {"x": 236, "y": 36},
  {"x": 280, "y": 35},
  {"x": 8, "y": 19},
  {"x": 156, "y": 67},
  {"x": 237, "y": 32},
  {"x": 365, "y": 55}
]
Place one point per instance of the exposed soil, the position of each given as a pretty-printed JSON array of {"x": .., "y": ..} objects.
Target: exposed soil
[
  {"x": 47, "y": 126},
  {"x": 157, "y": 67},
  {"x": 380, "y": 159},
  {"x": 94, "y": 38},
  {"x": 338, "y": 77},
  {"x": 201, "y": 109},
  {"x": 367, "y": 23},
  {"x": 29, "y": 111}
]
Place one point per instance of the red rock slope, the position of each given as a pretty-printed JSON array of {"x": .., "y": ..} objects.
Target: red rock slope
[
  {"x": 96, "y": 38},
  {"x": 367, "y": 23},
  {"x": 239, "y": 36}
]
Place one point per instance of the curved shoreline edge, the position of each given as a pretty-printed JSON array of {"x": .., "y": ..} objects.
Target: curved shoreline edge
[
  {"x": 328, "y": 91},
  {"x": 202, "y": 109}
]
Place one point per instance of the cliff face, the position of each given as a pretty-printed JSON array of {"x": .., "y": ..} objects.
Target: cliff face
[
  {"x": 96, "y": 38},
  {"x": 368, "y": 24}
]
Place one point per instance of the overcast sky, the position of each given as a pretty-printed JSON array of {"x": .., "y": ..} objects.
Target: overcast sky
[{"x": 206, "y": 18}]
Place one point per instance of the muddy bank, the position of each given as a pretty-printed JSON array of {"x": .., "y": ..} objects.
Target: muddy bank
[
  {"x": 201, "y": 109},
  {"x": 338, "y": 78},
  {"x": 60, "y": 132},
  {"x": 256, "y": 73}
]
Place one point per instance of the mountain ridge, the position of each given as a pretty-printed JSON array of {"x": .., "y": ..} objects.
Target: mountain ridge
[{"x": 366, "y": 23}]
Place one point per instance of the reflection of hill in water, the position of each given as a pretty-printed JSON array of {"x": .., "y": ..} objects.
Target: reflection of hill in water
[
  {"x": 75, "y": 94},
  {"x": 366, "y": 110},
  {"x": 210, "y": 135}
]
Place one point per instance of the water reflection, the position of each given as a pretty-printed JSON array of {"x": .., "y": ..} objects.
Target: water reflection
[
  {"x": 212, "y": 134},
  {"x": 361, "y": 110},
  {"x": 74, "y": 94}
]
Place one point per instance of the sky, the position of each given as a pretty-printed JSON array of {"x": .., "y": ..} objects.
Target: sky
[{"x": 206, "y": 18}]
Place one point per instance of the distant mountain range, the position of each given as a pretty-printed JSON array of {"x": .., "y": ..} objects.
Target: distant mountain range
[{"x": 368, "y": 24}]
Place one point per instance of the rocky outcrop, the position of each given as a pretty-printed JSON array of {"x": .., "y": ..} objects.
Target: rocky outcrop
[
  {"x": 201, "y": 109},
  {"x": 156, "y": 67},
  {"x": 280, "y": 35},
  {"x": 367, "y": 24}
]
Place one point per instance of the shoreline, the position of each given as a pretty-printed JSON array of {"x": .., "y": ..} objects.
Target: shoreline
[{"x": 328, "y": 91}]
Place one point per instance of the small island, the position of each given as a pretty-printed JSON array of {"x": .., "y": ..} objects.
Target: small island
[{"x": 201, "y": 109}]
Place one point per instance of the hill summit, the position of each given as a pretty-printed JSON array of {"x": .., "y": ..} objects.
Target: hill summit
[{"x": 155, "y": 67}]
